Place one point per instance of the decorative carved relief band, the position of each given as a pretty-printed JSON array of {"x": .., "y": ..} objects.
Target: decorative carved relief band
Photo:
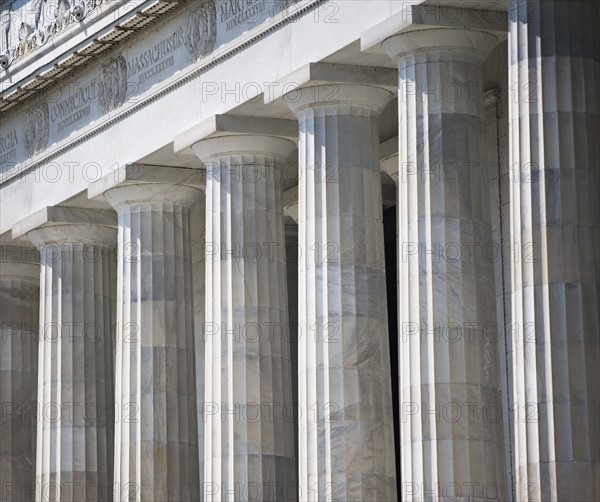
[
  {"x": 20, "y": 39},
  {"x": 201, "y": 30},
  {"x": 112, "y": 84},
  {"x": 37, "y": 128}
]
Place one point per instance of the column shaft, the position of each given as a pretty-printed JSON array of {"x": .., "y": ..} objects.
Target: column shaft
[
  {"x": 249, "y": 440},
  {"x": 450, "y": 416},
  {"x": 554, "y": 115},
  {"x": 346, "y": 444},
  {"x": 156, "y": 439},
  {"x": 75, "y": 392},
  {"x": 19, "y": 319}
]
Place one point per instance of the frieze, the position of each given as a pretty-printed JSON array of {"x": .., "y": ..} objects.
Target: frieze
[{"x": 114, "y": 82}]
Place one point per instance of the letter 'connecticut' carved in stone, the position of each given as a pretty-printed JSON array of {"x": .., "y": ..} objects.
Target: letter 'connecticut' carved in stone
[
  {"x": 112, "y": 84},
  {"x": 201, "y": 30},
  {"x": 37, "y": 128}
]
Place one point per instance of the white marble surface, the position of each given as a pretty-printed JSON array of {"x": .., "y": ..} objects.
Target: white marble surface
[
  {"x": 346, "y": 442},
  {"x": 248, "y": 411},
  {"x": 552, "y": 298},
  {"x": 554, "y": 116},
  {"x": 156, "y": 437},
  {"x": 75, "y": 427},
  {"x": 19, "y": 319},
  {"x": 450, "y": 408}
]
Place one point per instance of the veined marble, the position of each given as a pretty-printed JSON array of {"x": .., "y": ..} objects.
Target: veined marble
[
  {"x": 156, "y": 437},
  {"x": 554, "y": 118},
  {"x": 344, "y": 390},
  {"x": 19, "y": 321},
  {"x": 75, "y": 421},
  {"x": 248, "y": 409},
  {"x": 450, "y": 407},
  {"x": 250, "y": 161}
]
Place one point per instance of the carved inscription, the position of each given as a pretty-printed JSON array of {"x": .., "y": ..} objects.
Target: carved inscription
[
  {"x": 75, "y": 107},
  {"x": 155, "y": 59},
  {"x": 8, "y": 146},
  {"x": 235, "y": 12}
]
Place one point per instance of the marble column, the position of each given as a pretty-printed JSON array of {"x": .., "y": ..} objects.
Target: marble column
[
  {"x": 75, "y": 425},
  {"x": 19, "y": 318},
  {"x": 156, "y": 440},
  {"x": 450, "y": 406},
  {"x": 249, "y": 445},
  {"x": 554, "y": 115},
  {"x": 346, "y": 442}
]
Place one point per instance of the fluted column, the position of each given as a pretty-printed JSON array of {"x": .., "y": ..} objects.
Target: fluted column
[
  {"x": 450, "y": 407},
  {"x": 249, "y": 453},
  {"x": 75, "y": 385},
  {"x": 156, "y": 440},
  {"x": 19, "y": 319},
  {"x": 554, "y": 114},
  {"x": 346, "y": 443}
]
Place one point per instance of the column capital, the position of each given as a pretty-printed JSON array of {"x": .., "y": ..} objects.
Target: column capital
[
  {"x": 240, "y": 144},
  {"x": 327, "y": 74},
  {"x": 447, "y": 40},
  {"x": 390, "y": 165},
  {"x": 20, "y": 270},
  {"x": 138, "y": 184},
  {"x": 231, "y": 125},
  {"x": 336, "y": 98},
  {"x": 21, "y": 251},
  {"x": 389, "y": 158},
  {"x": 19, "y": 260},
  {"x": 321, "y": 84},
  {"x": 68, "y": 225},
  {"x": 412, "y": 17},
  {"x": 290, "y": 203}
]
